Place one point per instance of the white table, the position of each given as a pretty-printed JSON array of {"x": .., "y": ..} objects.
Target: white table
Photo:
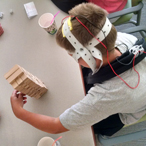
[{"x": 28, "y": 45}]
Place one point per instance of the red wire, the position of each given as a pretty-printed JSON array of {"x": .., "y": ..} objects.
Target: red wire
[
  {"x": 65, "y": 18},
  {"x": 109, "y": 62}
]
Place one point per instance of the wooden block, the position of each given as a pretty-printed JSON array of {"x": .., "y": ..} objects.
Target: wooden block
[
  {"x": 37, "y": 92},
  {"x": 21, "y": 89},
  {"x": 37, "y": 95},
  {"x": 30, "y": 83},
  {"x": 43, "y": 91},
  {"x": 16, "y": 74},
  {"x": 19, "y": 81},
  {"x": 33, "y": 84},
  {"x": 24, "y": 76},
  {"x": 29, "y": 75},
  {"x": 40, "y": 93},
  {"x": 25, "y": 82},
  {"x": 14, "y": 84},
  {"x": 25, "y": 85},
  {"x": 11, "y": 71},
  {"x": 32, "y": 92},
  {"x": 30, "y": 86},
  {"x": 25, "y": 70},
  {"x": 34, "y": 89},
  {"x": 34, "y": 78},
  {"x": 31, "y": 89},
  {"x": 39, "y": 82}
]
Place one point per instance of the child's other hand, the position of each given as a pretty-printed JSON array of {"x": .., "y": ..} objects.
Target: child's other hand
[{"x": 17, "y": 102}]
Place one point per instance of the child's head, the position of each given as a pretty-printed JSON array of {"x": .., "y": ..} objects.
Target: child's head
[{"x": 97, "y": 16}]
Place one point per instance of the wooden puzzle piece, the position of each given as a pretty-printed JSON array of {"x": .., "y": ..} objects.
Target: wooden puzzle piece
[
  {"x": 25, "y": 82},
  {"x": 14, "y": 84},
  {"x": 15, "y": 75},
  {"x": 30, "y": 86},
  {"x": 22, "y": 87},
  {"x": 21, "y": 79},
  {"x": 40, "y": 93},
  {"x": 13, "y": 70}
]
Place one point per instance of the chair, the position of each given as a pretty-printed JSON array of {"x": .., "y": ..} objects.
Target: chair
[
  {"x": 139, "y": 29},
  {"x": 125, "y": 15},
  {"x": 132, "y": 7},
  {"x": 118, "y": 139}
]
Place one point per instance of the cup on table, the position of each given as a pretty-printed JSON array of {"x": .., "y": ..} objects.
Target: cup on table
[
  {"x": 48, "y": 141},
  {"x": 47, "y": 22}
]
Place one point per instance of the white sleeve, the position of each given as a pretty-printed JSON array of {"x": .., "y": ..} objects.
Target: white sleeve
[
  {"x": 78, "y": 116},
  {"x": 125, "y": 41},
  {"x": 87, "y": 112}
]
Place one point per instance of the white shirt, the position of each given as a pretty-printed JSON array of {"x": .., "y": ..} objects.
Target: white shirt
[{"x": 111, "y": 97}]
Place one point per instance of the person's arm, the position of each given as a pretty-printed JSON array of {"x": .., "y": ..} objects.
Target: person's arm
[{"x": 42, "y": 122}]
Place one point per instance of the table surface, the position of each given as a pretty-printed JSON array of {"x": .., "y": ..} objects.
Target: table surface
[{"x": 26, "y": 44}]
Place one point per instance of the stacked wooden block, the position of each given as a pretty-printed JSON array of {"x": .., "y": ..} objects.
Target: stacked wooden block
[{"x": 25, "y": 82}]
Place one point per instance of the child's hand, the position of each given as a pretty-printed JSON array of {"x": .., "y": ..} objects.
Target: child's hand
[{"x": 17, "y": 102}]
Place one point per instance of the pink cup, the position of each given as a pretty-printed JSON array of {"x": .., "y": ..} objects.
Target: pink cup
[{"x": 45, "y": 22}]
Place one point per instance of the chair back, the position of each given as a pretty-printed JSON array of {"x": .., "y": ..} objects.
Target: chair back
[
  {"x": 124, "y": 18},
  {"x": 135, "y": 2}
]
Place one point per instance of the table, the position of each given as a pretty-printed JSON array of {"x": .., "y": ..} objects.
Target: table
[{"x": 26, "y": 44}]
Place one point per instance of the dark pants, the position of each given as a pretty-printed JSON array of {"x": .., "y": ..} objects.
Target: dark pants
[
  {"x": 66, "y": 5},
  {"x": 108, "y": 126}
]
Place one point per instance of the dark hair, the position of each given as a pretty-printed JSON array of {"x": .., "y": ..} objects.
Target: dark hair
[{"x": 95, "y": 15}]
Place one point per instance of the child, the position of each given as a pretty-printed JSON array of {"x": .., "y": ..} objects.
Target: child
[{"x": 108, "y": 105}]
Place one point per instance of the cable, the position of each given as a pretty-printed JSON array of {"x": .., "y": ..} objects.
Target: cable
[
  {"x": 74, "y": 17},
  {"x": 108, "y": 57},
  {"x": 91, "y": 33},
  {"x": 65, "y": 18},
  {"x": 86, "y": 19},
  {"x": 125, "y": 63}
]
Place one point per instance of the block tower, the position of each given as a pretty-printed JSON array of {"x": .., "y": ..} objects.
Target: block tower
[{"x": 25, "y": 82}]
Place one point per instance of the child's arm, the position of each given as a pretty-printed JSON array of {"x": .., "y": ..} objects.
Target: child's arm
[{"x": 44, "y": 123}]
